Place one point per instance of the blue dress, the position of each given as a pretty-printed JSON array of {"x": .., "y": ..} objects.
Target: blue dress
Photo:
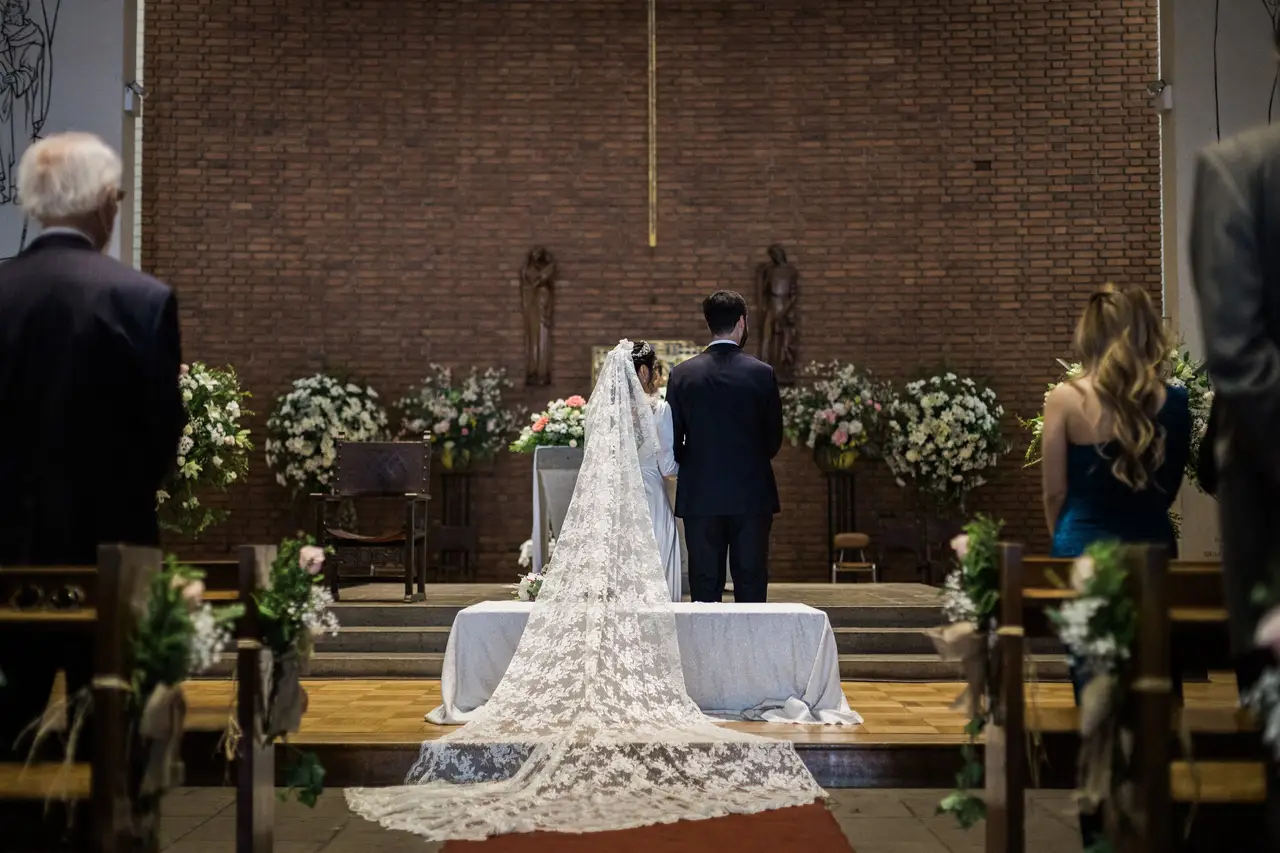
[{"x": 1100, "y": 507}]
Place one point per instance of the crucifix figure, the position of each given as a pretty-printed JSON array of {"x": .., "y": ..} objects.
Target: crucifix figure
[
  {"x": 776, "y": 285},
  {"x": 537, "y": 297}
]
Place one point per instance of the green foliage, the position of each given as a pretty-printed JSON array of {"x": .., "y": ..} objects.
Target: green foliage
[{"x": 304, "y": 778}]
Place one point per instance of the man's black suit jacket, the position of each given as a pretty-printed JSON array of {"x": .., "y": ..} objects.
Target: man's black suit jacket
[
  {"x": 90, "y": 410},
  {"x": 727, "y": 419}
]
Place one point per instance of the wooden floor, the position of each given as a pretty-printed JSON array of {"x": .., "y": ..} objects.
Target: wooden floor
[{"x": 350, "y": 711}]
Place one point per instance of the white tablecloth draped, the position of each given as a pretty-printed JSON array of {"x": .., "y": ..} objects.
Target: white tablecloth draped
[{"x": 769, "y": 662}]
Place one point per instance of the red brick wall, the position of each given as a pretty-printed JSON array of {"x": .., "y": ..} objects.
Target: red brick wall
[{"x": 354, "y": 184}]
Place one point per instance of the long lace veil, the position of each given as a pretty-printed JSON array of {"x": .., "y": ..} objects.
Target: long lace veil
[{"x": 591, "y": 728}]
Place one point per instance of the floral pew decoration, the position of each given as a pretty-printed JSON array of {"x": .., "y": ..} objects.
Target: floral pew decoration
[
  {"x": 468, "y": 421},
  {"x": 213, "y": 453},
  {"x": 1264, "y": 697},
  {"x": 970, "y": 603},
  {"x": 293, "y": 611},
  {"x": 1098, "y": 628},
  {"x": 561, "y": 425},
  {"x": 530, "y": 583}
]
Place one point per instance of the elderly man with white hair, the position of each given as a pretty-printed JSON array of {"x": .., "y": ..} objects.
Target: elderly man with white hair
[{"x": 90, "y": 411}]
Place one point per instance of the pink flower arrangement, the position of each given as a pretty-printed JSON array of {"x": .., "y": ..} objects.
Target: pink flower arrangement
[
  {"x": 541, "y": 424},
  {"x": 575, "y": 402},
  {"x": 840, "y": 438}
]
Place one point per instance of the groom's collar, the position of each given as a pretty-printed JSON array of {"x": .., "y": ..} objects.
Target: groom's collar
[{"x": 721, "y": 342}]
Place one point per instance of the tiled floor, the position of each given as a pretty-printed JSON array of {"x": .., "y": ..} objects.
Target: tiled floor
[
  {"x": 201, "y": 820},
  {"x": 391, "y": 711}
]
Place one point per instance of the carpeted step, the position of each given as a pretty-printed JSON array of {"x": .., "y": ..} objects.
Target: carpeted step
[
  {"x": 378, "y": 640},
  {"x": 395, "y": 615}
]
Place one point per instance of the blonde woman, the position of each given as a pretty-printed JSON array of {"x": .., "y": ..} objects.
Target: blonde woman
[{"x": 1116, "y": 438}]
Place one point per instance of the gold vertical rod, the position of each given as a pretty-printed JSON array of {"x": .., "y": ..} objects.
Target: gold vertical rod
[{"x": 653, "y": 124}]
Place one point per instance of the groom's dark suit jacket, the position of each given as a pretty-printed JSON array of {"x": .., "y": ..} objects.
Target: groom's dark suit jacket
[{"x": 727, "y": 419}]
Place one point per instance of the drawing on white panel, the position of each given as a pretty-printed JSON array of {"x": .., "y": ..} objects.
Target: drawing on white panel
[{"x": 26, "y": 79}]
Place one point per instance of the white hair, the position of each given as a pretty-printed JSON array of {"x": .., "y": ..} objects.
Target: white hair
[{"x": 67, "y": 175}]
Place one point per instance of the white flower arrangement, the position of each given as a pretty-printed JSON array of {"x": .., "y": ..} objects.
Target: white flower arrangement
[
  {"x": 466, "y": 421},
  {"x": 942, "y": 435},
  {"x": 1264, "y": 697},
  {"x": 530, "y": 583},
  {"x": 840, "y": 408},
  {"x": 213, "y": 452},
  {"x": 210, "y": 636},
  {"x": 561, "y": 425},
  {"x": 307, "y": 424}
]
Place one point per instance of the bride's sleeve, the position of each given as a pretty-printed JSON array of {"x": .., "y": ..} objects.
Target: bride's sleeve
[{"x": 666, "y": 442}]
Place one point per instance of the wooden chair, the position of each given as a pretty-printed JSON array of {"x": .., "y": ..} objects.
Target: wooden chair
[
  {"x": 105, "y": 620},
  {"x": 845, "y": 544},
  {"x": 383, "y": 470}
]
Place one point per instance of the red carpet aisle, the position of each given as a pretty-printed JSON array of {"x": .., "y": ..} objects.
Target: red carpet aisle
[{"x": 808, "y": 828}]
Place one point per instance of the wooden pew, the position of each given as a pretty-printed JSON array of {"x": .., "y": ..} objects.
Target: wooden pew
[
  {"x": 1192, "y": 619},
  {"x": 241, "y": 580},
  {"x": 106, "y": 622}
]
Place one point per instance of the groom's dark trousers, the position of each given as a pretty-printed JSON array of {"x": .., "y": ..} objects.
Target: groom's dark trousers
[{"x": 727, "y": 420}]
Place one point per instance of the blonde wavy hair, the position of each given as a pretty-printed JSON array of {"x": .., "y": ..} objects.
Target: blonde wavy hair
[{"x": 1124, "y": 348}]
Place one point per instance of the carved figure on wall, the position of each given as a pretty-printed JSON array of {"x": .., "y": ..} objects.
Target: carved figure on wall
[
  {"x": 776, "y": 288},
  {"x": 537, "y": 295}
]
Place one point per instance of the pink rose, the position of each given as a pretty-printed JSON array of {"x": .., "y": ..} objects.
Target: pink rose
[
  {"x": 830, "y": 415},
  {"x": 466, "y": 431},
  {"x": 193, "y": 593},
  {"x": 877, "y": 406},
  {"x": 1268, "y": 632},
  {"x": 839, "y": 438},
  {"x": 183, "y": 370},
  {"x": 541, "y": 424},
  {"x": 960, "y": 545},
  {"x": 575, "y": 402},
  {"x": 311, "y": 559}
]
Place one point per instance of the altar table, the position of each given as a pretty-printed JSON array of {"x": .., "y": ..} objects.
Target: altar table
[{"x": 768, "y": 662}]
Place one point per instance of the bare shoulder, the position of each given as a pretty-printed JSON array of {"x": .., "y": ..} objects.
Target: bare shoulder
[{"x": 1070, "y": 395}]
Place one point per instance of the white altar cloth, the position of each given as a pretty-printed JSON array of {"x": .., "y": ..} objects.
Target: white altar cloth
[{"x": 770, "y": 662}]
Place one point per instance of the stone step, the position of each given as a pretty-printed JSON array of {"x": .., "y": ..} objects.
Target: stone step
[
  {"x": 375, "y": 665},
  {"x": 377, "y": 640},
  {"x": 910, "y": 641},
  {"x": 930, "y": 668},
  {"x": 395, "y": 615},
  {"x": 883, "y": 616}
]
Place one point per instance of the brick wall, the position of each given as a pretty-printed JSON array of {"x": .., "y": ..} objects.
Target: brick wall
[{"x": 354, "y": 185}]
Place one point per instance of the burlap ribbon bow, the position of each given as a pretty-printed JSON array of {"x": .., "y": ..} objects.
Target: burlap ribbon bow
[
  {"x": 963, "y": 642},
  {"x": 161, "y": 731},
  {"x": 288, "y": 697}
]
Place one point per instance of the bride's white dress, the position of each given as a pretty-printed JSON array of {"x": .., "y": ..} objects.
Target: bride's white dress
[
  {"x": 654, "y": 470},
  {"x": 591, "y": 727}
]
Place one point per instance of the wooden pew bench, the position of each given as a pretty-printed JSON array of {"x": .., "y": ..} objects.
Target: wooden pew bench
[
  {"x": 1224, "y": 768},
  {"x": 102, "y": 626}
]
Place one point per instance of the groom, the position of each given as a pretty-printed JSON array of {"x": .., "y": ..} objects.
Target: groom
[{"x": 727, "y": 419}]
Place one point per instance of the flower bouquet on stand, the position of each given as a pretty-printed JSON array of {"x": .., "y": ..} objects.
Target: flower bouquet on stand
[
  {"x": 837, "y": 415},
  {"x": 942, "y": 437},
  {"x": 467, "y": 422},
  {"x": 561, "y": 425},
  {"x": 293, "y": 611},
  {"x": 306, "y": 425},
  {"x": 213, "y": 452}
]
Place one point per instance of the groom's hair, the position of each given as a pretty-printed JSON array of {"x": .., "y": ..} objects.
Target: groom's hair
[{"x": 723, "y": 309}]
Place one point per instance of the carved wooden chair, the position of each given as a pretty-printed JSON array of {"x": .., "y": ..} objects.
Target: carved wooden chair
[
  {"x": 379, "y": 471},
  {"x": 63, "y": 612}
]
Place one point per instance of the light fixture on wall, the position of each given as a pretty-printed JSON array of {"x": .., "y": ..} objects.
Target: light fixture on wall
[
  {"x": 1161, "y": 95},
  {"x": 134, "y": 94}
]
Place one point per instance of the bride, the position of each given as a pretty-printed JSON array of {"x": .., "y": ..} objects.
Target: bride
[
  {"x": 661, "y": 465},
  {"x": 591, "y": 728}
]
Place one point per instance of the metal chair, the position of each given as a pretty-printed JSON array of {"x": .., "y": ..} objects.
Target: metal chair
[{"x": 844, "y": 544}]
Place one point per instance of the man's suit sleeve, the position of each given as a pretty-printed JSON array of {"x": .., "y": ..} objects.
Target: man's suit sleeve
[
  {"x": 166, "y": 413},
  {"x": 772, "y": 416},
  {"x": 1243, "y": 360},
  {"x": 677, "y": 417}
]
